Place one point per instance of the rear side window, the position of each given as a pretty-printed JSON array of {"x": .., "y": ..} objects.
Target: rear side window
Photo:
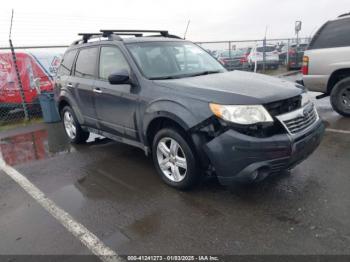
[
  {"x": 67, "y": 62},
  {"x": 86, "y": 63},
  {"x": 332, "y": 34}
]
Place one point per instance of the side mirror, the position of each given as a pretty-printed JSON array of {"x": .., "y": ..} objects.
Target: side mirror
[{"x": 119, "y": 77}]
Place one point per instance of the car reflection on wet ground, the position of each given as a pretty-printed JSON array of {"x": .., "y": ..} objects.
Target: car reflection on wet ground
[{"x": 115, "y": 192}]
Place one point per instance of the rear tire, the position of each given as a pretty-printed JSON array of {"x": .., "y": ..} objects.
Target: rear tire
[
  {"x": 72, "y": 127},
  {"x": 175, "y": 159},
  {"x": 340, "y": 97}
]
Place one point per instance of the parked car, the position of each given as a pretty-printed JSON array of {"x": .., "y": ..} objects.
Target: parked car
[
  {"x": 326, "y": 64},
  {"x": 295, "y": 55},
  {"x": 31, "y": 65},
  {"x": 256, "y": 56},
  {"x": 234, "y": 59},
  {"x": 213, "y": 53},
  {"x": 192, "y": 119}
]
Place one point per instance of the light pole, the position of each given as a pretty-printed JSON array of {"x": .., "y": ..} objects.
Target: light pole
[{"x": 297, "y": 30}]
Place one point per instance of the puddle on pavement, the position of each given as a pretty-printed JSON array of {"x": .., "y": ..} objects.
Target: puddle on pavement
[{"x": 36, "y": 145}]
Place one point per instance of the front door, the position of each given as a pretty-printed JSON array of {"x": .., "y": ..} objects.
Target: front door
[{"x": 115, "y": 104}]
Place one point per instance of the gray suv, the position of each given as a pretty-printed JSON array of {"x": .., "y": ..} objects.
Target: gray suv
[
  {"x": 326, "y": 63},
  {"x": 173, "y": 100}
]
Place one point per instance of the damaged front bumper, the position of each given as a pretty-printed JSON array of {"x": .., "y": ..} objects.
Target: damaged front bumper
[{"x": 241, "y": 158}]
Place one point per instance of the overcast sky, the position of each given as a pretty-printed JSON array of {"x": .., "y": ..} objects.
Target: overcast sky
[{"x": 57, "y": 22}]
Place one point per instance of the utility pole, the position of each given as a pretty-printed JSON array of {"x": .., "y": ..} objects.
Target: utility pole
[
  {"x": 264, "y": 50},
  {"x": 26, "y": 116}
]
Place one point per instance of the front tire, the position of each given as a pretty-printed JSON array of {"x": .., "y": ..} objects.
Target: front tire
[
  {"x": 340, "y": 97},
  {"x": 174, "y": 158},
  {"x": 72, "y": 127}
]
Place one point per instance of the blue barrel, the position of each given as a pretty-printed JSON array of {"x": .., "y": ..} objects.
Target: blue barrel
[{"x": 48, "y": 108}]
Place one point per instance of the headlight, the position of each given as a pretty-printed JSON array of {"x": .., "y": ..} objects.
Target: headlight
[
  {"x": 241, "y": 114},
  {"x": 305, "y": 99}
]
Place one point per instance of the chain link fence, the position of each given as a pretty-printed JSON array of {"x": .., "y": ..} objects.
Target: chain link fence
[
  {"x": 37, "y": 67},
  {"x": 271, "y": 56},
  {"x": 24, "y": 76}
]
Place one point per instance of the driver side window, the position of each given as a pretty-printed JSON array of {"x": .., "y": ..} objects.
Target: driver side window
[{"x": 111, "y": 60}]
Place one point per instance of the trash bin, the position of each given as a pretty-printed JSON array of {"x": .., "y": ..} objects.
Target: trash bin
[{"x": 48, "y": 108}]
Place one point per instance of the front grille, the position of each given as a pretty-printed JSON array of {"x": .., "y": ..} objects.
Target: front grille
[
  {"x": 303, "y": 119},
  {"x": 284, "y": 106}
]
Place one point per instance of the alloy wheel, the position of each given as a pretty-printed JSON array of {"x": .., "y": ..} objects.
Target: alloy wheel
[
  {"x": 171, "y": 159},
  {"x": 345, "y": 97},
  {"x": 69, "y": 125}
]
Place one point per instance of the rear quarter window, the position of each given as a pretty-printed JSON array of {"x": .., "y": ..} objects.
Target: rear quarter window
[
  {"x": 85, "y": 65},
  {"x": 332, "y": 34},
  {"x": 67, "y": 63}
]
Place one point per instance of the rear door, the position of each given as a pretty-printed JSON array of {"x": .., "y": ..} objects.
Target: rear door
[
  {"x": 115, "y": 104},
  {"x": 82, "y": 83}
]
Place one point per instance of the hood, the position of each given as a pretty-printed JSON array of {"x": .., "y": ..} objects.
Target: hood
[{"x": 236, "y": 87}]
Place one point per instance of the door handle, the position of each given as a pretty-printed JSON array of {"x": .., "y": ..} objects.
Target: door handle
[
  {"x": 69, "y": 85},
  {"x": 97, "y": 90}
]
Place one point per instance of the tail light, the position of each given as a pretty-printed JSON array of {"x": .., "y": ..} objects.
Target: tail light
[
  {"x": 243, "y": 60},
  {"x": 305, "y": 67}
]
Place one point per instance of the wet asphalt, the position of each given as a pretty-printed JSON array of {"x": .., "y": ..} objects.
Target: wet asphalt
[{"x": 114, "y": 191}]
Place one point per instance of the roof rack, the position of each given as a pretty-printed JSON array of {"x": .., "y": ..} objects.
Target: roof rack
[
  {"x": 115, "y": 35},
  {"x": 87, "y": 36},
  {"x": 134, "y": 32},
  {"x": 346, "y": 14}
]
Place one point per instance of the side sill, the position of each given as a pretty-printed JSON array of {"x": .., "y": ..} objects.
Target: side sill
[{"x": 119, "y": 139}]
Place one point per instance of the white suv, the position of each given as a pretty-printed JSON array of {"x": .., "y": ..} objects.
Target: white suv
[
  {"x": 326, "y": 63},
  {"x": 256, "y": 56}
]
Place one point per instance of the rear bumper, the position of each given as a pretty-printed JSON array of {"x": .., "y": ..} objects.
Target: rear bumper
[
  {"x": 317, "y": 83},
  {"x": 240, "y": 158},
  {"x": 268, "y": 62}
]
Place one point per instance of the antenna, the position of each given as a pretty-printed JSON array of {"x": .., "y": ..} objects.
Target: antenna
[
  {"x": 11, "y": 24},
  {"x": 188, "y": 24}
]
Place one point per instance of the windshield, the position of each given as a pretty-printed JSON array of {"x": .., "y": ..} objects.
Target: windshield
[{"x": 161, "y": 60}]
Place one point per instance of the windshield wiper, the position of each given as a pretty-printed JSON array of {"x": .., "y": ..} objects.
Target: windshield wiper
[
  {"x": 163, "y": 77},
  {"x": 208, "y": 72},
  {"x": 186, "y": 75}
]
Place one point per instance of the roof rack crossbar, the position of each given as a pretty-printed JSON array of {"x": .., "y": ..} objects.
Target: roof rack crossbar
[
  {"x": 87, "y": 36},
  {"x": 120, "y": 32},
  {"x": 342, "y": 15},
  {"x": 123, "y": 34}
]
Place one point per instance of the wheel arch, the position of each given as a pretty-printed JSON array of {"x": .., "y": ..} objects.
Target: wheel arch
[
  {"x": 66, "y": 101},
  {"x": 161, "y": 120},
  {"x": 169, "y": 113},
  {"x": 337, "y": 76}
]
